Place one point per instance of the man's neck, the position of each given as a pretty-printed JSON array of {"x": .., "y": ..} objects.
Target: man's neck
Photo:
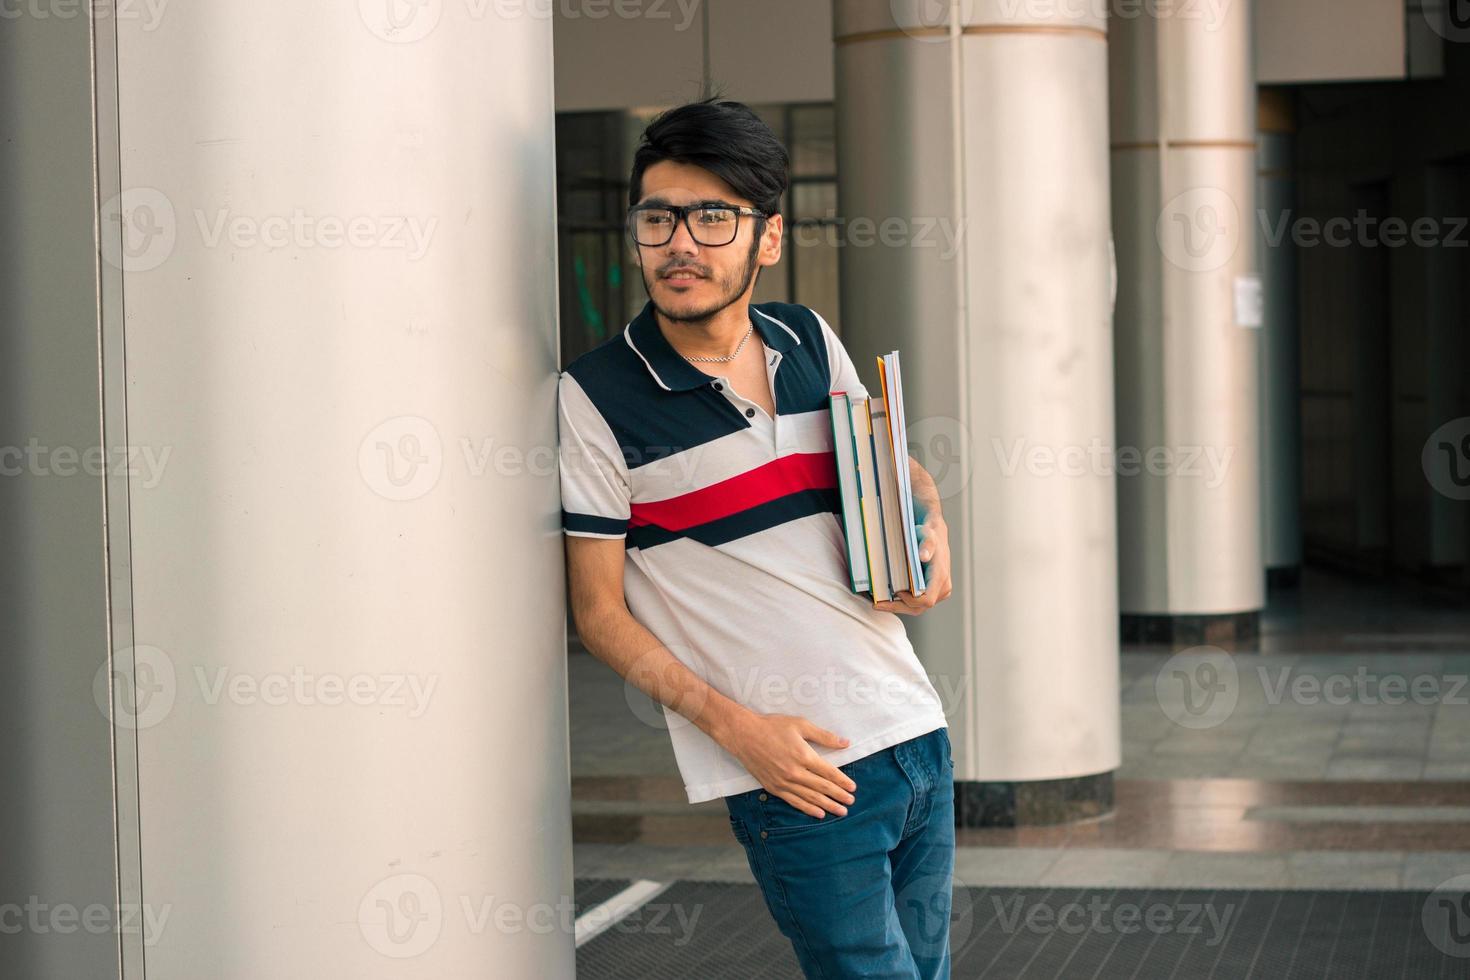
[{"x": 713, "y": 337}]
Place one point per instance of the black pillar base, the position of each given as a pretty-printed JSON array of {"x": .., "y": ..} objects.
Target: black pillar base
[
  {"x": 1229, "y": 631},
  {"x": 1033, "y": 802}
]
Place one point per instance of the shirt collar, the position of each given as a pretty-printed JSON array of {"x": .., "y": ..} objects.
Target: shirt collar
[{"x": 668, "y": 366}]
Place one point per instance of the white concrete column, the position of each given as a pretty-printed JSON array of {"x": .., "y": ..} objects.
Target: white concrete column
[
  {"x": 1189, "y": 502},
  {"x": 979, "y": 138},
  {"x": 334, "y": 662}
]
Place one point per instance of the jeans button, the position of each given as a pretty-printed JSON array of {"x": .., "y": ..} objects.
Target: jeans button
[
  {"x": 763, "y": 796},
  {"x": 763, "y": 835}
]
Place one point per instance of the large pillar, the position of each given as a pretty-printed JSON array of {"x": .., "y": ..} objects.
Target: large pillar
[
  {"x": 1281, "y": 438},
  {"x": 980, "y": 140},
  {"x": 310, "y": 625},
  {"x": 1189, "y": 511}
]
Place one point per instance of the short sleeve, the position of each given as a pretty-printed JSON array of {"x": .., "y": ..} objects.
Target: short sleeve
[
  {"x": 594, "y": 474},
  {"x": 844, "y": 375}
]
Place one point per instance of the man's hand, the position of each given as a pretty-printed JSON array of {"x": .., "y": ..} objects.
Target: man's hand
[
  {"x": 933, "y": 551},
  {"x": 773, "y": 748}
]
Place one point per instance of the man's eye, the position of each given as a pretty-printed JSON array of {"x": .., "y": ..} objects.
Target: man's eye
[
  {"x": 716, "y": 217},
  {"x": 655, "y": 219}
]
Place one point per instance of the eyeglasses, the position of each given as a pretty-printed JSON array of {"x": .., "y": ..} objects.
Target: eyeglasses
[{"x": 708, "y": 224}]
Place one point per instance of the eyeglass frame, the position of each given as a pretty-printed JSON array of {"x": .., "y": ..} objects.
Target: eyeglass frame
[{"x": 681, "y": 215}]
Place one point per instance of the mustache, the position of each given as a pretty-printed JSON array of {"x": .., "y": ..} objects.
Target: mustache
[{"x": 683, "y": 267}]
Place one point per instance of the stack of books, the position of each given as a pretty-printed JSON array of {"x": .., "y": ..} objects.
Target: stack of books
[{"x": 869, "y": 440}]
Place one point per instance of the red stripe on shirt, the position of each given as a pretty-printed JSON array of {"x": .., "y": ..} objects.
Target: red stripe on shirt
[{"x": 787, "y": 475}]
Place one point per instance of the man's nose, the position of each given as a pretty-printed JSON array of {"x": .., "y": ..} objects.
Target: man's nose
[{"x": 683, "y": 242}]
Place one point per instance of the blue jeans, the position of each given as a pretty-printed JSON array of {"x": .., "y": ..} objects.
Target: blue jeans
[{"x": 866, "y": 894}]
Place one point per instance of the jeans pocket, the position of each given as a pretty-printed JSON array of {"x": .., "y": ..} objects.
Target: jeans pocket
[
  {"x": 737, "y": 827},
  {"x": 780, "y": 819}
]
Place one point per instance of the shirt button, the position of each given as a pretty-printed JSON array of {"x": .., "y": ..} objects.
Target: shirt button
[
  {"x": 719, "y": 387},
  {"x": 750, "y": 413}
]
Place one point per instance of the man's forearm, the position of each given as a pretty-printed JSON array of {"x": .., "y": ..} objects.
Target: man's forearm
[{"x": 628, "y": 647}]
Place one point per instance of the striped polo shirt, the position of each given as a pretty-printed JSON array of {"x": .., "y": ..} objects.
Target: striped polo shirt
[{"x": 730, "y": 520}]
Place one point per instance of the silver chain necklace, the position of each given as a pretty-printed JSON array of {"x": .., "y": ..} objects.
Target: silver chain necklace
[{"x": 727, "y": 357}]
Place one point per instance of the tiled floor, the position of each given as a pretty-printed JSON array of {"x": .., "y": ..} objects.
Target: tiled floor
[{"x": 1335, "y": 756}]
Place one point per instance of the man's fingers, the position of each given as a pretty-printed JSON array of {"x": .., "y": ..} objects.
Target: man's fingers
[{"x": 814, "y": 804}]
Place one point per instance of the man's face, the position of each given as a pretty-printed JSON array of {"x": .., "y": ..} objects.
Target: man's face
[{"x": 688, "y": 281}]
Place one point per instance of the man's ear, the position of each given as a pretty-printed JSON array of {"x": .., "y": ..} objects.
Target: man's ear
[{"x": 772, "y": 237}]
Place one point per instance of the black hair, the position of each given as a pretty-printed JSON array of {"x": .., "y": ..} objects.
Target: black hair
[{"x": 726, "y": 138}]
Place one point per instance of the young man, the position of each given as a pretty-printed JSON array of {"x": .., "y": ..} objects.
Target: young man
[{"x": 707, "y": 565}]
